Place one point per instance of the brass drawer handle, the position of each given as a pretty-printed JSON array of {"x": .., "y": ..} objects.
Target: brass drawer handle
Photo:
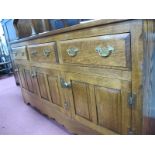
[
  {"x": 16, "y": 54},
  {"x": 104, "y": 51},
  {"x": 65, "y": 84},
  {"x": 72, "y": 51},
  {"x": 34, "y": 53},
  {"x": 46, "y": 52}
]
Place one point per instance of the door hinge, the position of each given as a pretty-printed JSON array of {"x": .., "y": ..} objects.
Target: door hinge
[{"x": 131, "y": 99}]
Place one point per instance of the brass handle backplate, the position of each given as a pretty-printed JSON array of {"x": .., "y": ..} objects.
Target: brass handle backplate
[
  {"x": 46, "y": 52},
  {"x": 72, "y": 51},
  {"x": 65, "y": 84},
  {"x": 104, "y": 51}
]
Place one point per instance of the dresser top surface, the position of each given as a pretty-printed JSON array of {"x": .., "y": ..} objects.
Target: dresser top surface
[{"x": 84, "y": 25}]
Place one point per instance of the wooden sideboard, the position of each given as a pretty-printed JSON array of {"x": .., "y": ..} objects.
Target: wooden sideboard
[{"x": 93, "y": 78}]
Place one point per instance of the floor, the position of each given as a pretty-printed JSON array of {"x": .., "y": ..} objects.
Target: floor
[{"x": 17, "y": 118}]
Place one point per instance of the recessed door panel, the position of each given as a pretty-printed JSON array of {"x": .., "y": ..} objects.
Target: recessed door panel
[
  {"x": 108, "y": 105},
  {"x": 81, "y": 99},
  {"x": 29, "y": 80},
  {"x": 42, "y": 85},
  {"x": 54, "y": 90},
  {"x": 22, "y": 78}
]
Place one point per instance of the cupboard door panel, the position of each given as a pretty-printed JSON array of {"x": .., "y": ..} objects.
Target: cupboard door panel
[
  {"x": 54, "y": 90},
  {"x": 23, "y": 78},
  {"x": 29, "y": 81},
  {"x": 42, "y": 85},
  {"x": 108, "y": 103},
  {"x": 80, "y": 95},
  {"x": 35, "y": 88}
]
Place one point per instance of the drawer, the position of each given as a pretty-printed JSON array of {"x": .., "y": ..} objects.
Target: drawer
[
  {"x": 19, "y": 53},
  {"x": 107, "y": 50},
  {"x": 44, "y": 53}
]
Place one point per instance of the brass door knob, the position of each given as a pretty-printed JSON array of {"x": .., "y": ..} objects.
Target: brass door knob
[{"x": 65, "y": 84}]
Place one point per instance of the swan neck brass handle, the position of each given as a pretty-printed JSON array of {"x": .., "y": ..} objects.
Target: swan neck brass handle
[
  {"x": 72, "y": 51},
  {"x": 65, "y": 84},
  {"x": 46, "y": 52},
  {"x": 104, "y": 51}
]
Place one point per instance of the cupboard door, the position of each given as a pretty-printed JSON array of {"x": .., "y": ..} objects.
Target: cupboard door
[
  {"x": 27, "y": 79},
  {"x": 100, "y": 103},
  {"x": 49, "y": 87}
]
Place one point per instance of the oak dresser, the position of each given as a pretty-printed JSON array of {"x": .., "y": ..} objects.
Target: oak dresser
[{"x": 93, "y": 78}]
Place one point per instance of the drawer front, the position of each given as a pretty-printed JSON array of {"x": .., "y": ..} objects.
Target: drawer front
[
  {"x": 107, "y": 50},
  {"x": 44, "y": 53},
  {"x": 19, "y": 53}
]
